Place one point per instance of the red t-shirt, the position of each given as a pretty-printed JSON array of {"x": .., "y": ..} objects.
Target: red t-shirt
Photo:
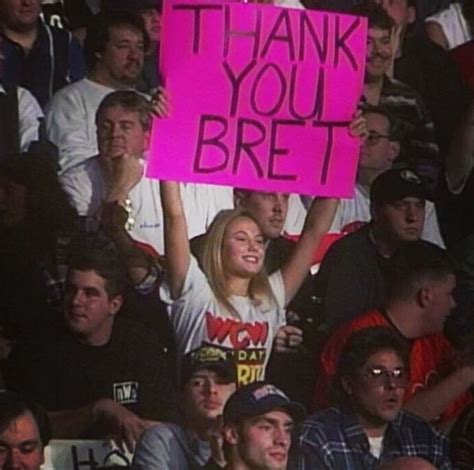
[{"x": 431, "y": 357}]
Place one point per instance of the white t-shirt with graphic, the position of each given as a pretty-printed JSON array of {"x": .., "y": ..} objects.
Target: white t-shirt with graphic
[{"x": 197, "y": 319}]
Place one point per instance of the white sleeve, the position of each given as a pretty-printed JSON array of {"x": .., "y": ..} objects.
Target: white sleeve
[
  {"x": 78, "y": 188},
  {"x": 67, "y": 127},
  {"x": 29, "y": 113},
  {"x": 431, "y": 230}
]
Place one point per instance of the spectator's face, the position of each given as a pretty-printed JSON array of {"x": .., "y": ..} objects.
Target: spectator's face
[
  {"x": 243, "y": 248},
  {"x": 401, "y": 220},
  {"x": 375, "y": 393},
  {"x": 120, "y": 132},
  {"x": 152, "y": 19},
  {"x": 13, "y": 203},
  {"x": 379, "y": 54},
  {"x": 20, "y": 14},
  {"x": 399, "y": 11},
  {"x": 441, "y": 298},
  {"x": 262, "y": 442},
  {"x": 205, "y": 395},
  {"x": 20, "y": 445},
  {"x": 378, "y": 151},
  {"x": 269, "y": 209},
  {"x": 121, "y": 62},
  {"x": 89, "y": 310}
]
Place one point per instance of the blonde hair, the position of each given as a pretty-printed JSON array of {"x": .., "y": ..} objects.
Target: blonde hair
[{"x": 260, "y": 291}]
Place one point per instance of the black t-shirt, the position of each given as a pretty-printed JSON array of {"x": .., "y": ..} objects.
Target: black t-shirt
[{"x": 60, "y": 373}]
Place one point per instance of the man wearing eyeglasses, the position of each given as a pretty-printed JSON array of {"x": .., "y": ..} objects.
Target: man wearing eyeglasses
[
  {"x": 366, "y": 427},
  {"x": 419, "y": 300}
]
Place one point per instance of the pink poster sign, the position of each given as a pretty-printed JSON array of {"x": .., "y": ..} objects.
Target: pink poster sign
[{"x": 261, "y": 97}]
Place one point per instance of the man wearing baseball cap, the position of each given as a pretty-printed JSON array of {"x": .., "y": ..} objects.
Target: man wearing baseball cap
[
  {"x": 258, "y": 421},
  {"x": 353, "y": 274},
  {"x": 208, "y": 378}
]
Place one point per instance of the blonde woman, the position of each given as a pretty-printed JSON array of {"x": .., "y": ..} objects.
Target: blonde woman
[{"x": 231, "y": 303}]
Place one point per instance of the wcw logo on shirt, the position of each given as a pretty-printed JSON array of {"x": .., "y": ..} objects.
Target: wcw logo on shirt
[{"x": 240, "y": 334}]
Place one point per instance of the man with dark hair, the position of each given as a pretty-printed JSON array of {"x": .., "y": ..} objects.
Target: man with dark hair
[
  {"x": 101, "y": 374},
  {"x": 419, "y": 148},
  {"x": 366, "y": 427},
  {"x": 351, "y": 279},
  {"x": 39, "y": 57},
  {"x": 114, "y": 49},
  {"x": 208, "y": 378},
  {"x": 428, "y": 69},
  {"x": 24, "y": 433},
  {"x": 258, "y": 422},
  {"x": 150, "y": 11},
  {"x": 419, "y": 299}
]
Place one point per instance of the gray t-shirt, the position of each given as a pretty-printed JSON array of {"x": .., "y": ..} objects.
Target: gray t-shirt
[{"x": 168, "y": 446}]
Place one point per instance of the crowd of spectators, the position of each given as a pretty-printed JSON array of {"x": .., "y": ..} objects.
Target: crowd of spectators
[{"x": 206, "y": 326}]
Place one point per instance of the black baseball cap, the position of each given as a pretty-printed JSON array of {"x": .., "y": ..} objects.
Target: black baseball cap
[
  {"x": 395, "y": 184},
  {"x": 257, "y": 399},
  {"x": 209, "y": 358}
]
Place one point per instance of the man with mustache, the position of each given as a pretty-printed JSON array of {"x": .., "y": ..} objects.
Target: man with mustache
[
  {"x": 114, "y": 50},
  {"x": 419, "y": 148}
]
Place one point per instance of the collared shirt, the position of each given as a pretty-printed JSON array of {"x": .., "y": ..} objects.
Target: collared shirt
[{"x": 333, "y": 439}]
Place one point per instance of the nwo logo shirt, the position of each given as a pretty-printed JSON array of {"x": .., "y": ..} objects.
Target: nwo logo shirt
[
  {"x": 197, "y": 319},
  {"x": 126, "y": 393}
]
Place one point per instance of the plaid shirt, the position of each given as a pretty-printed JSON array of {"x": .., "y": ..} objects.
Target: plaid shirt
[{"x": 332, "y": 439}]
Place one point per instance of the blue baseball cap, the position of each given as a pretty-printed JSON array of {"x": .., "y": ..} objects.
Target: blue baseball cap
[{"x": 257, "y": 399}]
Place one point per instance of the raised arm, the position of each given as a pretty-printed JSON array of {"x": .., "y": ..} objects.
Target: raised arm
[
  {"x": 319, "y": 219},
  {"x": 177, "y": 250}
]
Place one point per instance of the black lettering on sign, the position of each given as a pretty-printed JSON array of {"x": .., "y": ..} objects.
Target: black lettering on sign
[
  {"x": 215, "y": 140},
  {"x": 329, "y": 145},
  {"x": 235, "y": 82},
  {"x": 254, "y": 33},
  {"x": 286, "y": 37},
  {"x": 320, "y": 42},
  {"x": 278, "y": 151},
  {"x": 196, "y": 10},
  {"x": 247, "y": 146},
  {"x": 340, "y": 42},
  {"x": 78, "y": 464},
  {"x": 282, "y": 85}
]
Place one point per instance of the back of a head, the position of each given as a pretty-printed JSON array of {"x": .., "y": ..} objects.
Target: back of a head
[
  {"x": 375, "y": 14},
  {"x": 415, "y": 262}
]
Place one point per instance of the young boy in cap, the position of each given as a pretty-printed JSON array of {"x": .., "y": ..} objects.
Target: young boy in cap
[
  {"x": 207, "y": 380},
  {"x": 258, "y": 421}
]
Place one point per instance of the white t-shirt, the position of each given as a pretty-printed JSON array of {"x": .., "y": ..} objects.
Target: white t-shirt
[
  {"x": 29, "y": 113},
  {"x": 453, "y": 24},
  {"x": 376, "y": 444},
  {"x": 86, "y": 189},
  {"x": 352, "y": 213},
  {"x": 197, "y": 319}
]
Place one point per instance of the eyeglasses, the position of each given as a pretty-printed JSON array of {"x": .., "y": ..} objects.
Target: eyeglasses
[
  {"x": 379, "y": 376},
  {"x": 374, "y": 137}
]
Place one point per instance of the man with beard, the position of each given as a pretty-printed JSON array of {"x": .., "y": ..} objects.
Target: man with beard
[{"x": 114, "y": 49}]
